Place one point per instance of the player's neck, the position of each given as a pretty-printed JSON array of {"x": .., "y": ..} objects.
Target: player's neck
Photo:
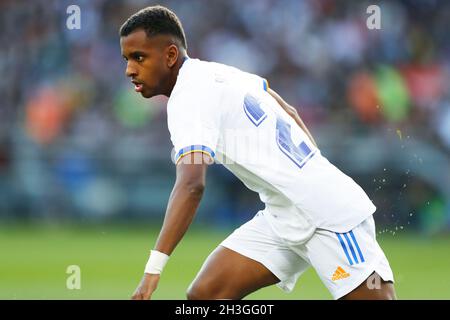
[{"x": 173, "y": 79}]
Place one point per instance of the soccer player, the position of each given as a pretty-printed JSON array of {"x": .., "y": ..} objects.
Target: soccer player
[{"x": 314, "y": 214}]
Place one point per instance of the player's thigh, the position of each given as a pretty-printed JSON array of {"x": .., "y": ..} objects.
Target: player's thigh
[
  {"x": 373, "y": 288},
  {"x": 252, "y": 257},
  {"x": 227, "y": 274}
]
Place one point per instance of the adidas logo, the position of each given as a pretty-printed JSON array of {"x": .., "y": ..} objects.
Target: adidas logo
[{"x": 340, "y": 274}]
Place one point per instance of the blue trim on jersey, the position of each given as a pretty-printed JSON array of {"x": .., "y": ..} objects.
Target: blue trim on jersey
[
  {"x": 265, "y": 85},
  {"x": 194, "y": 148},
  {"x": 357, "y": 246},
  {"x": 351, "y": 248},
  {"x": 345, "y": 248}
]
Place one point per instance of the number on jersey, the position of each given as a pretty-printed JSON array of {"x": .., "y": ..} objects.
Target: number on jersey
[{"x": 299, "y": 154}]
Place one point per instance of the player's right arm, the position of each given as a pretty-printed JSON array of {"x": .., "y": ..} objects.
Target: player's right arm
[
  {"x": 183, "y": 203},
  {"x": 292, "y": 112}
]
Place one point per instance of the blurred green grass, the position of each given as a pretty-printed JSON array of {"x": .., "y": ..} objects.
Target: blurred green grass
[{"x": 33, "y": 263}]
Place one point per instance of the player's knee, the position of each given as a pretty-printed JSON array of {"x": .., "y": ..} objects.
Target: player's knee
[
  {"x": 198, "y": 292},
  {"x": 192, "y": 294}
]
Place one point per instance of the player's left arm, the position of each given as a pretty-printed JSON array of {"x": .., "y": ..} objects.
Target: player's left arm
[{"x": 292, "y": 112}]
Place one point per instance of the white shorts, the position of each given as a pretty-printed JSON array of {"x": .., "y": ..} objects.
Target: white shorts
[{"x": 342, "y": 261}]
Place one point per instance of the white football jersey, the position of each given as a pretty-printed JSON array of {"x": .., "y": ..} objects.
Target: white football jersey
[{"x": 228, "y": 113}]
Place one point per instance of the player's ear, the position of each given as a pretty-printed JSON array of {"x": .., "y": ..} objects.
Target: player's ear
[{"x": 172, "y": 55}]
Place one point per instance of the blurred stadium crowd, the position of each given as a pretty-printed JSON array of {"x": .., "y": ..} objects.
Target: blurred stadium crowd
[{"x": 76, "y": 142}]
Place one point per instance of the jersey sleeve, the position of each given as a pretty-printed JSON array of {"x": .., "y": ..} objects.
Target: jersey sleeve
[{"x": 193, "y": 116}]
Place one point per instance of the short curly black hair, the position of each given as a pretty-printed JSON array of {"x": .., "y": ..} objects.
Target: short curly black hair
[{"x": 154, "y": 20}]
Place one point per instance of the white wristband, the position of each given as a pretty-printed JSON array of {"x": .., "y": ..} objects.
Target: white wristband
[{"x": 156, "y": 262}]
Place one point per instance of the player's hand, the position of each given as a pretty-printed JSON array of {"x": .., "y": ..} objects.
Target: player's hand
[{"x": 146, "y": 287}]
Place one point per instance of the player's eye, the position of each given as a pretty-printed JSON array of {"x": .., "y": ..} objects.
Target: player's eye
[{"x": 139, "y": 58}]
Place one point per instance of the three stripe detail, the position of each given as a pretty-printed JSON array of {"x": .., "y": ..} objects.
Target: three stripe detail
[{"x": 350, "y": 247}]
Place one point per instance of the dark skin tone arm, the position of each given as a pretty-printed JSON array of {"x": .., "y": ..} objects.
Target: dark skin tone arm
[
  {"x": 184, "y": 200},
  {"x": 183, "y": 203},
  {"x": 291, "y": 111}
]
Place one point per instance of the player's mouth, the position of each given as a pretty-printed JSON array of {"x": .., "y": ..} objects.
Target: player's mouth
[{"x": 138, "y": 86}]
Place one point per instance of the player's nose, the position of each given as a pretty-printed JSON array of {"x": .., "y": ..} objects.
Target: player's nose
[{"x": 130, "y": 71}]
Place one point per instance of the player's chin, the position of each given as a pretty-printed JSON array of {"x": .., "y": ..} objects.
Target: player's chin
[{"x": 147, "y": 93}]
